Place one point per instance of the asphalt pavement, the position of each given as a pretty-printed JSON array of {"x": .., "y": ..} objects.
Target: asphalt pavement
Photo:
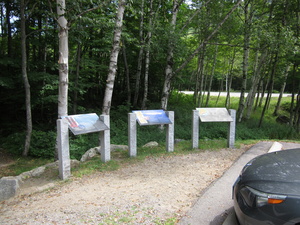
[
  {"x": 233, "y": 94},
  {"x": 215, "y": 205}
]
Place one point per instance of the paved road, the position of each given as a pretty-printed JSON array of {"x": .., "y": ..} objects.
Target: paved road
[{"x": 234, "y": 94}]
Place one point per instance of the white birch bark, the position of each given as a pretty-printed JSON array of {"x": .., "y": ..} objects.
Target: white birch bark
[
  {"x": 113, "y": 59},
  {"x": 170, "y": 62},
  {"x": 63, "y": 60}
]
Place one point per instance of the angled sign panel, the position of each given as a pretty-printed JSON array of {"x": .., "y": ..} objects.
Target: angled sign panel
[
  {"x": 214, "y": 115},
  {"x": 152, "y": 117},
  {"x": 85, "y": 123}
]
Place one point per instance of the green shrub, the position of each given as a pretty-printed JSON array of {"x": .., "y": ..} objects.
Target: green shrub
[
  {"x": 42, "y": 144},
  {"x": 81, "y": 143}
]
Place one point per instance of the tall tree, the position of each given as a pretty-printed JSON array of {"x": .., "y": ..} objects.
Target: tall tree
[
  {"x": 8, "y": 4},
  {"x": 113, "y": 59},
  {"x": 170, "y": 59},
  {"x": 26, "y": 81},
  {"x": 248, "y": 14},
  {"x": 140, "y": 57},
  {"x": 63, "y": 59},
  {"x": 147, "y": 57},
  {"x": 286, "y": 73}
]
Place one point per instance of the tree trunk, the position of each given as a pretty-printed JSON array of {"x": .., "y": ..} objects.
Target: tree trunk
[
  {"x": 297, "y": 111},
  {"x": 140, "y": 58},
  {"x": 211, "y": 77},
  {"x": 2, "y": 24},
  {"x": 113, "y": 59},
  {"x": 127, "y": 73},
  {"x": 200, "y": 72},
  {"x": 147, "y": 63},
  {"x": 292, "y": 105},
  {"x": 229, "y": 81},
  {"x": 270, "y": 90},
  {"x": 170, "y": 61},
  {"x": 63, "y": 61},
  {"x": 9, "y": 36},
  {"x": 78, "y": 61},
  {"x": 247, "y": 33},
  {"x": 281, "y": 91},
  {"x": 255, "y": 83},
  {"x": 26, "y": 82},
  {"x": 220, "y": 90}
]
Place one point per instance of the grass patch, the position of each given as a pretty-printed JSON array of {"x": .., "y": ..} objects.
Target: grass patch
[
  {"x": 21, "y": 165},
  {"x": 94, "y": 165}
]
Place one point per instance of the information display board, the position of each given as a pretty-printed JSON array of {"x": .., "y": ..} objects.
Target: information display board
[
  {"x": 85, "y": 123},
  {"x": 152, "y": 117},
  {"x": 214, "y": 115}
]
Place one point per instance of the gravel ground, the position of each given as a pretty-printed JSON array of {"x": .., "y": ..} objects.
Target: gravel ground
[{"x": 154, "y": 191}]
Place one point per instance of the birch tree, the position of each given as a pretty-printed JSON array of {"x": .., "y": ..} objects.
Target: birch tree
[
  {"x": 63, "y": 61},
  {"x": 113, "y": 59},
  {"x": 170, "y": 60}
]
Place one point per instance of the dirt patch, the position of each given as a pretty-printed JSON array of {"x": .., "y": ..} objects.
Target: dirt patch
[{"x": 154, "y": 191}]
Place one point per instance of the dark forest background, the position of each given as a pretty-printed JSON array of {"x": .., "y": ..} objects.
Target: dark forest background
[{"x": 254, "y": 50}]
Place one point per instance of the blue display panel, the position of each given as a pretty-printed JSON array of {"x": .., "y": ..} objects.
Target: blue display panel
[
  {"x": 85, "y": 123},
  {"x": 152, "y": 117}
]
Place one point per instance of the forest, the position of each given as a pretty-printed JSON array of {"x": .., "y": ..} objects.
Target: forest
[{"x": 65, "y": 57}]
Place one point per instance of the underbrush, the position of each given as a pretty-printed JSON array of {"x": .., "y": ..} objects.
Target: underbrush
[{"x": 43, "y": 141}]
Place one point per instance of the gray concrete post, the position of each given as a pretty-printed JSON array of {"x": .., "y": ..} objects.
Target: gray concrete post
[
  {"x": 105, "y": 140},
  {"x": 195, "y": 129},
  {"x": 232, "y": 127},
  {"x": 63, "y": 149},
  {"x": 132, "y": 139},
  {"x": 170, "y": 132}
]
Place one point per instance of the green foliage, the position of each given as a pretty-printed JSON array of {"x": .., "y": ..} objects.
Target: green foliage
[
  {"x": 81, "y": 143},
  {"x": 42, "y": 144}
]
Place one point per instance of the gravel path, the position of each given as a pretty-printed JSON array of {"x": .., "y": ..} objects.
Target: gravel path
[{"x": 154, "y": 191}]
